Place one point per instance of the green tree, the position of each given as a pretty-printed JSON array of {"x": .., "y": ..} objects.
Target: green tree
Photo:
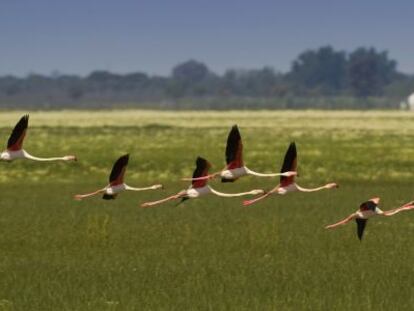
[
  {"x": 323, "y": 69},
  {"x": 190, "y": 72},
  {"x": 188, "y": 78},
  {"x": 369, "y": 72}
]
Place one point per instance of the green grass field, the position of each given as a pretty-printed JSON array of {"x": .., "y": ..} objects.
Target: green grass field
[{"x": 211, "y": 253}]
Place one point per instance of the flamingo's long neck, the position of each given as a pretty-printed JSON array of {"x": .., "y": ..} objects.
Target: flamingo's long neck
[
  {"x": 138, "y": 189},
  {"x": 311, "y": 189},
  {"x": 231, "y": 195},
  {"x": 28, "y": 156},
  {"x": 250, "y": 172}
]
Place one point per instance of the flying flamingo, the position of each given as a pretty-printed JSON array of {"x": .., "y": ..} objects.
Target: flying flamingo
[
  {"x": 235, "y": 167},
  {"x": 15, "y": 145},
  {"x": 199, "y": 187},
  {"x": 116, "y": 182},
  {"x": 367, "y": 210},
  {"x": 288, "y": 184}
]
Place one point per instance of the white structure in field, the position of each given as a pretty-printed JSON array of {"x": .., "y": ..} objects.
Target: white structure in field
[{"x": 408, "y": 104}]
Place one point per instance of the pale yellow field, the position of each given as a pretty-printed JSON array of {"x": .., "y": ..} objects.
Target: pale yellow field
[{"x": 389, "y": 121}]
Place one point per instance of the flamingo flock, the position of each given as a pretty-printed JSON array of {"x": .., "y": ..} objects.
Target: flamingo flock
[
  {"x": 199, "y": 187},
  {"x": 234, "y": 169}
]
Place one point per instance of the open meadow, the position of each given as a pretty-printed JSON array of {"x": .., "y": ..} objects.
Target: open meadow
[{"x": 211, "y": 253}]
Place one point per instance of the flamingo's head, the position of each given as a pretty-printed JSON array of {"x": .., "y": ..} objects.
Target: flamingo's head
[
  {"x": 332, "y": 185},
  {"x": 70, "y": 158}
]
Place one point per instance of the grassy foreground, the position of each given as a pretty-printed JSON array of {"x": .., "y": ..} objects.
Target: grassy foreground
[{"x": 211, "y": 253}]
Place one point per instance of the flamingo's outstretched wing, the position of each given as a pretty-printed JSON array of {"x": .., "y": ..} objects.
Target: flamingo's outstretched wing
[
  {"x": 16, "y": 138},
  {"x": 342, "y": 222},
  {"x": 201, "y": 170},
  {"x": 234, "y": 149},
  {"x": 289, "y": 164},
  {"x": 118, "y": 171}
]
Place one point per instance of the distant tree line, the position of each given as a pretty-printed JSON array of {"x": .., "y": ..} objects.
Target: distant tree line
[{"x": 321, "y": 78}]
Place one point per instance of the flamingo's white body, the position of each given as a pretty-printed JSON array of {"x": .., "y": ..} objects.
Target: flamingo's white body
[
  {"x": 289, "y": 188},
  {"x": 200, "y": 188},
  {"x": 287, "y": 183},
  {"x": 116, "y": 182},
  {"x": 15, "y": 149},
  {"x": 234, "y": 173},
  {"x": 368, "y": 210},
  {"x": 197, "y": 192},
  {"x": 235, "y": 165}
]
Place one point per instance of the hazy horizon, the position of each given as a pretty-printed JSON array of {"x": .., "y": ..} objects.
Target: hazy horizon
[{"x": 78, "y": 37}]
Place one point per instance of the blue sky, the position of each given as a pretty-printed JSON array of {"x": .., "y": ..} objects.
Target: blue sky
[{"x": 78, "y": 36}]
